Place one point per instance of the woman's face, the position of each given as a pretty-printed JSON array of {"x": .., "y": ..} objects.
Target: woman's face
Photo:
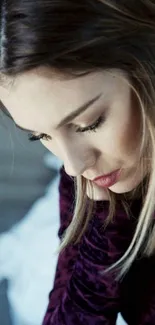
[{"x": 40, "y": 100}]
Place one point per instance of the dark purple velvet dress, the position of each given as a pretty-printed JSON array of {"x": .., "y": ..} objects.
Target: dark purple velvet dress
[{"x": 81, "y": 295}]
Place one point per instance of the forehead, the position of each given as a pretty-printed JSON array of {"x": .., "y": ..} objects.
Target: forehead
[{"x": 43, "y": 93}]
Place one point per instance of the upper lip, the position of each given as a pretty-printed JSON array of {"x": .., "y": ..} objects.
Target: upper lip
[{"x": 105, "y": 175}]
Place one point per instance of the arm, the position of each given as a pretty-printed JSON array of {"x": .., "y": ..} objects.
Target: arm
[
  {"x": 66, "y": 258},
  {"x": 80, "y": 294}
]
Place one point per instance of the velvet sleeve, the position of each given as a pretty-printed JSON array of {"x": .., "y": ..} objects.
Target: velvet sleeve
[
  {"x": 81, "y": 295},
  {"x": 138, "y": 292}
]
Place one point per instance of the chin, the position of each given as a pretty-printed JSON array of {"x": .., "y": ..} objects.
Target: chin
[{"x": 126, "y": 185}]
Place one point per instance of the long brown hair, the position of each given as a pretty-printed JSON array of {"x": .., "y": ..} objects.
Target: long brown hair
[{"x": 78, "y": 37}]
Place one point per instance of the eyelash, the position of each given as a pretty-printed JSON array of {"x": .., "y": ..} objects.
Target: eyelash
[{"x": 89, "y": 128}]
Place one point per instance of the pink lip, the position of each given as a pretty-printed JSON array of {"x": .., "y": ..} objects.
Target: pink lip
[{"x": 108, "y": 180}]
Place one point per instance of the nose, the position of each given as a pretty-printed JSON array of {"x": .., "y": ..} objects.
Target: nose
[
  {"x": 76, "y": 165},
  {"x": 77, "y": 156},
  {"x": 77, "y": 159}
]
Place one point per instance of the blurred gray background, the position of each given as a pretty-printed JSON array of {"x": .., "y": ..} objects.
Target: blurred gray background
[{"x": 23, "y": 179}]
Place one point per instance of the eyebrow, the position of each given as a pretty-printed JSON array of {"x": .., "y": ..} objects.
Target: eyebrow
[
  {"x": 79, "y": 111},
  {"x": 72, "y": 116}
]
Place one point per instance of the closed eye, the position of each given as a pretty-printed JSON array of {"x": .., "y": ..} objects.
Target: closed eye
[{"x": 93, "y": 127}]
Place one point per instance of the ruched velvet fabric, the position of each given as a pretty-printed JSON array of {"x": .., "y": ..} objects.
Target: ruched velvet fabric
[{"x": 81, "y": 295}]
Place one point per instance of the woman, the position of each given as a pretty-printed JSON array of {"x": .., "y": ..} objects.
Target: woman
[{"x": 80, "y": 77}]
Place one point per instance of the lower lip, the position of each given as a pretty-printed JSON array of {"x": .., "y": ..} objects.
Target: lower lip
[{"x": 108, "y": 181}]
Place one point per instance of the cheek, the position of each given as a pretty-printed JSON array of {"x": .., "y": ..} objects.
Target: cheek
[
  {"x": 131, "y": 139},
  {"x": 126, "y": 138},
  {"x": 47, "y": 145},
  {"x": 119, "y": 139},
  {"x": 130, "y": 136}
]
